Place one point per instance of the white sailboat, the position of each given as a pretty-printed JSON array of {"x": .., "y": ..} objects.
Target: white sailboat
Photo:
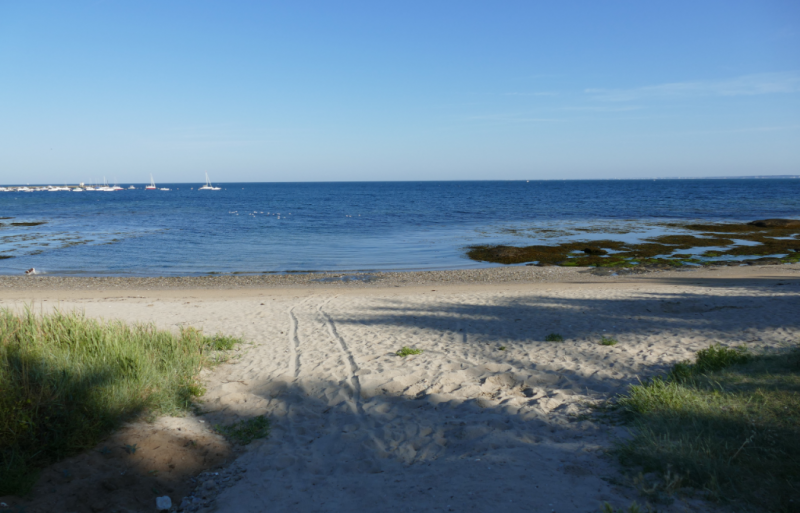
[
  {"x": 152, "y": 185},
  {"x": 208, "y": 186},
  {"x": 105, "y": 187}
]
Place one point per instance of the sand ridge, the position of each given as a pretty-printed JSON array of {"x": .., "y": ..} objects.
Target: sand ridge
[{"x": 466, "y": 425}]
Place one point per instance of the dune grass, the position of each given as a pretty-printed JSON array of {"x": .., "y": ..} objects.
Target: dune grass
[
  {"x": 727, "y": 424},
  {"x": 554, "y": 337},
  {"x": 67, "y": 381}
]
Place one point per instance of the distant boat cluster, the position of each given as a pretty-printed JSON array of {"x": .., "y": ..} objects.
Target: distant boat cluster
[{"x": 99, "y": 188}]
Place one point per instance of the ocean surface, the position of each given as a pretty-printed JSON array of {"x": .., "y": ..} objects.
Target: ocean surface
[{"x": 345, "y": 226}]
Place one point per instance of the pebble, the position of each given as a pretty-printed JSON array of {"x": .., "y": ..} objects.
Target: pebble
[
  {"x": 163, "y": 503},
  {"x": 206, "y": 489}
]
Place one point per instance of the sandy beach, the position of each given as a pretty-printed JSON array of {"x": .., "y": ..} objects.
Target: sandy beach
[{"x": 489, "y": 417}]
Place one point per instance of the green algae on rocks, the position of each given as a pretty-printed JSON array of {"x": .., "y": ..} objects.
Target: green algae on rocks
[{"x": 771, "y": 237}]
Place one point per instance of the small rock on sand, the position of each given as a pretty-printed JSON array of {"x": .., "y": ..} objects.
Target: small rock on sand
[{"x": 163, "y": 503}]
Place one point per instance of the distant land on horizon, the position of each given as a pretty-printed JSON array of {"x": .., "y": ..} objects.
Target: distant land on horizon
[
  {"x": 752, "y": 177},
  {"x": 749, "y": 177}
]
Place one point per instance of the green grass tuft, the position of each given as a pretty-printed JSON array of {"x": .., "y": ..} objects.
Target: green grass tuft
[
  {"x": 220, "y": 342},
  {"x": 728, "y": 423},
  {"x": 608, "y": 341},
  {"x": 245, "y": 431},
  {"x": 554, "y": 337},
  {"x": 405, "y": 351},
  {"x": 67, "y": 381},
  {"x": 718, "y": 357}
]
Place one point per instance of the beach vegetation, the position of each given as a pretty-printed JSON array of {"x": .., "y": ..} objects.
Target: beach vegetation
[
  {"x": 608, "y": 341},
  {"x": 245, "y": 431},
  {"x": 221, "y": 342},
  {"x": 406, "y": 351},
  {"x": 554, "y": 337},
  {"x": 67, "y": 381},
  {"x": 727, "y": 423}
]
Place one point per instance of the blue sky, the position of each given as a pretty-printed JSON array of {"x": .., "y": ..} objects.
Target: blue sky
[{"x": 412, "y": 90}]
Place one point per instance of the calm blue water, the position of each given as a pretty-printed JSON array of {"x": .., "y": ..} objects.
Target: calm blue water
[{"x": 275, "y": 227}]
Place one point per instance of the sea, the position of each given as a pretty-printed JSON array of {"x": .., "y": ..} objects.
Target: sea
[{"x": 254, "y": 228}]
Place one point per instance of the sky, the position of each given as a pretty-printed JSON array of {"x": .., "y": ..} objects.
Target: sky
[{"x": 411, "y": 90}]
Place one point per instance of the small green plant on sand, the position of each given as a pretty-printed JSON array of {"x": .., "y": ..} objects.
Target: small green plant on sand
[
  {"x": 245, "y": 431},
  {"x": 406, "y": 351},
  {"x": 554, "y": 337},
  {"x": 220, "y": 342},
  {"x": 711, "y": 359},
  {"x": 608, "y": 341},
  {"x": 502, "y": 348}
]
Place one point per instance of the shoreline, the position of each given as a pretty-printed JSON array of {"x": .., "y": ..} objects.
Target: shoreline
[{"x": 519, "y": 275}]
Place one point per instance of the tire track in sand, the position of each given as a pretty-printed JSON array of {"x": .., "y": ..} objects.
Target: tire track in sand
[
  {"x": 355, "y": 384},
  {"x": 294, "y": 341}
]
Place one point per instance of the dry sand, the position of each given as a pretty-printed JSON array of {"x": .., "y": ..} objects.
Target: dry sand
[{"x": 464, "y": 426}]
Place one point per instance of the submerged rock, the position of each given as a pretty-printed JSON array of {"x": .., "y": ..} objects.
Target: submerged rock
[
  {"x": 776, "y": 223},
  {"x": 595, "y": 251},
  {"x": 764, "y": 261}
]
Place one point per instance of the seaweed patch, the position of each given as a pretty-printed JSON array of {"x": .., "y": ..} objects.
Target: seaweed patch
[
  {"x": 774, "y": 241},
  {"x": 33, "y": 223}
]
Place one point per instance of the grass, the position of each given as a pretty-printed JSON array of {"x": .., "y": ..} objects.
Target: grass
[
  {"x": 245, "y": 431},
  {"x": 220, "y": 342},
  {"x": 554, "y": 337},
  {"x": 727, "y": 423},
  {"x": 67, "y": 381},
  {"x": 406, "y": 351},
  {"x": 608, "y": 341}
]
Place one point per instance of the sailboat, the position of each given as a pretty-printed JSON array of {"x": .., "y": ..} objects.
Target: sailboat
[
  {"x": 208, "y": 186},
  {"x": 105, "y": 187},
  {"x": 152, "y": 185}
]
